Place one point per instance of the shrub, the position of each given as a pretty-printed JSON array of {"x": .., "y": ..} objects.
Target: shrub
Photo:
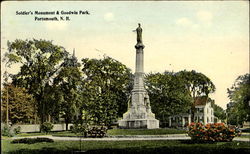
[
  {"x": 7, "y": 131},
  {"x": 80, "y": 129},
  {"x": 17, "y": 130},
  {"x": 46, "y": 127},
  {"x": 32, "y": 140},
  {"x": 97, "y": 131},
  {"x": 212, "y": 132}
]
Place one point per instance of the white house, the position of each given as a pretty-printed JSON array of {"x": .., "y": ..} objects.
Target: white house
[{"x": 204, "y": 113}]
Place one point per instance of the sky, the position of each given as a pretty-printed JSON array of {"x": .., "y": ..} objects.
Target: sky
[{"x": 211, "y": 37}]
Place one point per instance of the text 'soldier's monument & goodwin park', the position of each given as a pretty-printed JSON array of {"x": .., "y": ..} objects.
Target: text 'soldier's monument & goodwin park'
[{"x": 139, "y": 114}]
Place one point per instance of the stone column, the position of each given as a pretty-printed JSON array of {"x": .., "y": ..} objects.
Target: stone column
[{"x": 139, "y": 114}]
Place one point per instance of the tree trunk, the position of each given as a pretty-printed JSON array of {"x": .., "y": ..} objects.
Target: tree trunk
[{"x": 43, "y": 113}]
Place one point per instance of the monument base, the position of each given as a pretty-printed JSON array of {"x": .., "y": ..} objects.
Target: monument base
[{"x": 138, "y": 123}]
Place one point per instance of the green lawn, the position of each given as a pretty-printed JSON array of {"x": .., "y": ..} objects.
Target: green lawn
[
  {"x": 43, "y": 134},
  {"x": 127, "y": 147},
  {"x": 65, "y": 134},
  {"x": 245, "y": 136},
  {"x": 161, "y": 131},
  {"x": 30, "y": 134}
]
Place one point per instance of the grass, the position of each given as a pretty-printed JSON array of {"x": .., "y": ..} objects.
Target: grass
[
  {"x": 127, "y": 147},
  {"x": 245, "y": 136},
  {"x": 30, "y": 134},
  {"x": 65, "y": 134},
  {"x": 162, "y": 131},
  {"x": 61, "y": 133}
]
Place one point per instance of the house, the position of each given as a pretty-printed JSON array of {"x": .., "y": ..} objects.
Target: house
[{"x": 204, "y": 113}]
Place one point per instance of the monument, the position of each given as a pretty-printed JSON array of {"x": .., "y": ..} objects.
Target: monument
[{"x": 139, "y": 114}]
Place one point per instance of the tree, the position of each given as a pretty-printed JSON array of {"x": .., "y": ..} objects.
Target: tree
[
  {"x": 21, "y": 106},
  {"x": 40, "y": 61},
  {"x": 168, "y": 95},
  {"x": 67, "y": 87},
  {"x": 198, "y": 85},
  {"x": 239, "y": 95},
  {"x": 107, "y": 86},
  {"x": 219, "y": 112}
]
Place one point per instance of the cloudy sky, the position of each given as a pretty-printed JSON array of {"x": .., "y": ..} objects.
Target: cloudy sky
[{"x": 209, "y": 37}]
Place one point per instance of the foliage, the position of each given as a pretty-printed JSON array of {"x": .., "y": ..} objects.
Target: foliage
[
  {"x": 66, "y": 89},
  {"x": 217, "y": 132},
  {"x": 168, "y": 95},
  {"x": 106, "y": 89},
  {"x": 46, "y": 127},
  {"x": 197, "y": 85},
  {"x": 17, "y": 130},
  {"x": 40, "y": 61},
  {"x": 97, "y": 131},
  {"x": 7, "y": 131},
  {"x": 239, "y": 95},
  {"x": 80, "y": 129},
  {"x": 32, "y": 140},
  {"x": 10, "y": 131},
  {"x": 219, "y": 112},
  {"x": 21, "y": 106}
]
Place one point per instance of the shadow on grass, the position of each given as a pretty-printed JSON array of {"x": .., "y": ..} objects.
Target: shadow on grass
[{"x": 142, "y": 150}]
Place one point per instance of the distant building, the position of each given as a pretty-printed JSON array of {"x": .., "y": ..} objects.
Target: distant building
[{"x": 204, "y": 113}]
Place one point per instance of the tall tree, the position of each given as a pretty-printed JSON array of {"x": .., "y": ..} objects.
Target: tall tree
[
  {"x": 40, "y": 61},
  {"x": 20, "y": 105},
  {"x": 68, "y": 82},
  {"x": 168, "y": 95},
  {"x": 198, "y": 85},
  {"x": 218, "y": 111},
  {"x": 107, "y": 86},
  {"x": 239, "y": 95}
]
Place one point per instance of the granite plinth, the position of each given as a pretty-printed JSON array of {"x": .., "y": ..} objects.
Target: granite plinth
[{"x": 138, "y": 123}]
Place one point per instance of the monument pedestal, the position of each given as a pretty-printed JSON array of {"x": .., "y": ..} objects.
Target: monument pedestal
[
  {"x": 139, "y": 123},
  {"x": 139, "y": 114}
]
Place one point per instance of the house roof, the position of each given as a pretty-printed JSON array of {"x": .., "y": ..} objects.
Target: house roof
[{"x": 201, "y": 100}]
